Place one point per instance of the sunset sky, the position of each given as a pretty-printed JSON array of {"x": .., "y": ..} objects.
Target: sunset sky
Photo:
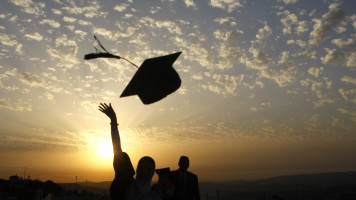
[{"x": 268, "y": 87}]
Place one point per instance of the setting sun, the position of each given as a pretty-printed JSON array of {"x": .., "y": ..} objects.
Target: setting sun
[
  {"x": 104, "y": 149},
  {"x": 268, "y": 88}
]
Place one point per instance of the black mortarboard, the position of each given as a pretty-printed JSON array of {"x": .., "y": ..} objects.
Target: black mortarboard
[
  {"x": 163, "y": 171},
  {"x": 154, "y": 80}
]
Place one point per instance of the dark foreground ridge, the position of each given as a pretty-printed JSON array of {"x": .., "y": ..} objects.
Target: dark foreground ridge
[{"x": 322, "y": 186}]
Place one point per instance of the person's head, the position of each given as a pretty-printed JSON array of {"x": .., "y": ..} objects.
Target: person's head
[
  {"x": 183, "y": 163},
  {"x": 145, "y": 169}
]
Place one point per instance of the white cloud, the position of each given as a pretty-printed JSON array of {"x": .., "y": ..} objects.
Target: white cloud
[
  {"x": 288, "y": 20},
  {"x": 260, "y": 83},
  {"x": 121, "y": 7},
  {"x": 224, "y": 84},
  {"x": 73, "y": 9},
  {"x": 290, "y": 1},
  {"x": 254, "y": 65},
  {"x": 347, "y": 94},
  {"x": 302, "y": 27},
  {"x": 282, "y": 78},
  {"x": 349, "y": 79},
  {"x": 69, "y": 19},
  {"x": 199, "y": 54},
  {"x": 229, "y": 52},
  {"x": 351, "y": 60},
  {"x": 315, "y": 71},
  {"x": 19, "y": 48},
  {"x": 139, "y": 39},
  {"x": 6, "y": 40},
  {"x": 306, "y": 54},
  {"x": 95, "y": 14},
  {"x": 260, "y": 57},
  {"x": 34, "y": 36},
  {"x": 49, "y": 96},
  {"x": 230, "y": 83},
  {"x": 108, "y": 34},
  {"x": 58, "y": 2},
  {"x": 326, "y": 24},
  {"x": 353, "y": 18},
  {"x": 342, "y": 43},
  {"x": 312, "y": 13},
  {"x": 70, "y": 27},
  {"x": 51, "y": 22},
  {"x": 170, "y": 26},
  {"x": 286, "y": 64},
  {"x": 81, "y": 33},
  {"x": 12, "y": 72},
  {"x": 300, "y": 43},
  {"x": 64, "y": 41},
  {"x": 198, "y": 76},
  {"x": 227, "y": 21},
  {"x": 333, "y": 56},
  {"x": 348, "y": 112},
  {"x": 154, "y": 10},
  {"x": 284, "y": 58},
  {"x": 31, "y": 79},
  {"x": 341, "y": 28},
  {"x": 93, "y": 10},
  {"x": 30, "y": 7},
  {"x": 305, "y": 82},
  {"x": 260, "y": 107},
  {"x": 57, "y": 12},
  {"x": 212, "y": 88},
  {"x": 189, "y": 3},
  {"x": 316, "y": 85},
  {"x": 229, "y": 5},
  {"x": 264, "y": 32},
  {"x": 66, "y": 59},
  {"x": 328, "y": 82},
  {"x": 11, "y": 105},
  {"x": 83, "y": 22}
]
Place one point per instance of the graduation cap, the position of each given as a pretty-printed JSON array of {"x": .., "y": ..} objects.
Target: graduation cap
[
  {"x": 154, "y": 79},
  {"x": 163, "y": 171}
]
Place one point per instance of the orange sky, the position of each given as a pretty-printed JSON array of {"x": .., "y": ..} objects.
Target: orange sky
[{"x": 268, "y": 87}]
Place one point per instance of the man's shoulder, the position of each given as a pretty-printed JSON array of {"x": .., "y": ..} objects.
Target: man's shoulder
[
  {"x": 175, "y": 172},
  {"x": 191, "y": 174}
]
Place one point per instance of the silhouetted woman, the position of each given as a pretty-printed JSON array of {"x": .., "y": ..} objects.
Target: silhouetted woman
[{"x": 124, "y": 186}]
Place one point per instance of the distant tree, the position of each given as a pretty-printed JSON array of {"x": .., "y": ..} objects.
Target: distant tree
[{"x": 29, "y": 189}]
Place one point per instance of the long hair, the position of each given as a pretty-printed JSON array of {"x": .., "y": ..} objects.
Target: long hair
[
  {"x": 140, "y": 167},
  {"x": 149, "y": 159}
]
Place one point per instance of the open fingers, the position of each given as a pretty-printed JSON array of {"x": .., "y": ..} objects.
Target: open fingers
[{"x": 103, "y": 107}]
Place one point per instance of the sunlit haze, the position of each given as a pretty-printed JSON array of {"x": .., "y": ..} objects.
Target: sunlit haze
[{"x": 268, "y": 87}]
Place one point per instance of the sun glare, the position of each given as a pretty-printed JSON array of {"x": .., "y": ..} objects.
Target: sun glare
[{"x": 104, "y": 149}]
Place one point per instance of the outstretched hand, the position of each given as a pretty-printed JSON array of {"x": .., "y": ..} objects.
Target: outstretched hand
[{"x": 108, "y": 110}]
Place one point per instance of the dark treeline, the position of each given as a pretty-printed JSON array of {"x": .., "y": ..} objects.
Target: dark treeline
[{"x": 28, "y": 189}]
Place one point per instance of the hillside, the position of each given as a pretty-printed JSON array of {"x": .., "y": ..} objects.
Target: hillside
[{"x": 339, "y": 185}]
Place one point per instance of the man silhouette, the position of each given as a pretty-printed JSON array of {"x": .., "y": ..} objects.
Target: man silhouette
[{"x": 186, "y": 183}]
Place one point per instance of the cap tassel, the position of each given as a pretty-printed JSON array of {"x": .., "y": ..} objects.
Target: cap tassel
[{"x": 105, "y": 54}]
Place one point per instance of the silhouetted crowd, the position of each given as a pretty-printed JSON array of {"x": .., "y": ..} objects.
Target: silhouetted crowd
[{"x": 172, "y": 185}]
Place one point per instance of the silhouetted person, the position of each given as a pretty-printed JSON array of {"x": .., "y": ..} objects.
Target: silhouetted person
[
  {"x": 164, "y": 186},
  {"x": 124, "y": 185},
  {"x": 186, "y": 183}
]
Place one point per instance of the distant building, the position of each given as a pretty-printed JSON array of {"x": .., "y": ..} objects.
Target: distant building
[{"x": 14, "y": 179}]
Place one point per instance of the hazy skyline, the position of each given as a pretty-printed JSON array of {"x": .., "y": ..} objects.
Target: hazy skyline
[{"x": 268, "y": 87}]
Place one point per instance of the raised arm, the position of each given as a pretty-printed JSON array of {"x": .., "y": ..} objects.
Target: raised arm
[{"x": 115, "y": 136}]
